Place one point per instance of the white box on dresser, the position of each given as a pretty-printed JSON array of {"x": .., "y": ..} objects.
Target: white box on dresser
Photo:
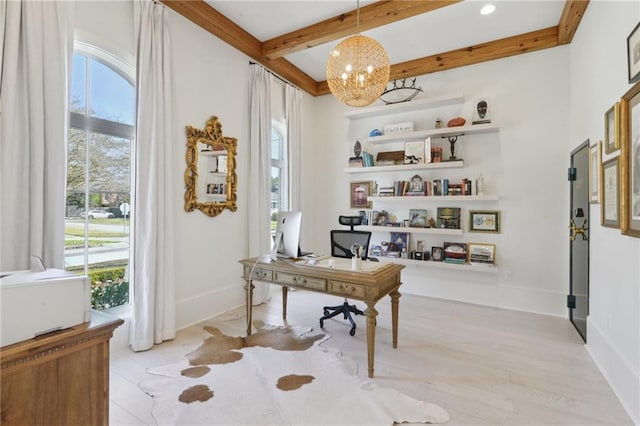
[{"x": 35, "y": 303}]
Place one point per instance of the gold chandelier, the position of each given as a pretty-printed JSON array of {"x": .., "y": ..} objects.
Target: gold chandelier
[{"x": 358, "y": 69}]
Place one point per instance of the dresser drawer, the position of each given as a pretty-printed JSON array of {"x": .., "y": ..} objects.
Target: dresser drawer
[
  {"x": 259, "y": 274},
  {"x": 301, "y": 281},
  {"x": 347, "y": 289}
]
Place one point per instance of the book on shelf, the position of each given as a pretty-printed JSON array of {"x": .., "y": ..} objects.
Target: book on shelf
[
  {"x": 367, "y": 159},
  {"x": 436, "y": 154},
  {"x": 414, "y": 152},
  {"x": 445, "y": 186},
  {"x": 454, "y": 261}
]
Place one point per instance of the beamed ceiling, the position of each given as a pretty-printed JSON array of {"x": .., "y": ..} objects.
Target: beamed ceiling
[{"x": 413, "y": 31}]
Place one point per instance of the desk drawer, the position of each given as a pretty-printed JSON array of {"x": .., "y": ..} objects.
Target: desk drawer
[
  {"x": 301, "y": 281},
  {"x": 347, "y": 289},
  {"x": 259, "y": 274}
]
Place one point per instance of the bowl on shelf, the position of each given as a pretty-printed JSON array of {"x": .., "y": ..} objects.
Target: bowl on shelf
[{"x": 455, "y": 252}]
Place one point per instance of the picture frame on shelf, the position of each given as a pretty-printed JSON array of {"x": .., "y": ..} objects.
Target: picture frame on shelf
[
  {"x": 595, "y": 158},
  {"x": 448, "y": 217},
  {"x": 359, "y": 194},
  {"x": 416, "y": 186},
  {"x": 437, "y": 254},
  {"x": 400, "y": 239},
  {"x": 414, "y": 152},
  {"x": 630, "y": 162},
  {"x": 420, "y": 245},
  {"x": 481, "y": 253},
  {"x": 612, "y": 129},
  {"x": 633, "y": 55},
  {"x": 418, "y": 218},
  {"x": 481, "y": 112},
  {"x": 609, "y": 187},
  {"x": 484, "y": 221}
]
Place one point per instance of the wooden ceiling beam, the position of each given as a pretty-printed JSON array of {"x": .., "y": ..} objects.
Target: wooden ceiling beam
[
  {"x": 208, "y": 18},
  {"x": 510, "y": 46},
  {"x": 371, "y": 16},
  {"x": 570, "y": 20}
]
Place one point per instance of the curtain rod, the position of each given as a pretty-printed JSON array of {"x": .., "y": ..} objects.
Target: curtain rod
[{"x": 274, "y": 74}]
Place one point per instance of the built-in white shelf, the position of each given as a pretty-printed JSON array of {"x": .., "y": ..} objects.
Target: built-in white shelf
[
  {"x": 407, "y": 167},
  {"x": 434, "y": 231},
  {"x": 481, "y": 268},
  {"x": 420, "y": 103},
  {"x": 444, "y": 132},
  {"x": 446, "y": 198}
]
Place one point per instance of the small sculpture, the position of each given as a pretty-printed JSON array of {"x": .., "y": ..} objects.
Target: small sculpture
[{"x": 439, "y": 123}]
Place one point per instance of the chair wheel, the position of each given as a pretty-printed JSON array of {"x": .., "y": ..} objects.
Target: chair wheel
[{"x": 352, "y": 332}]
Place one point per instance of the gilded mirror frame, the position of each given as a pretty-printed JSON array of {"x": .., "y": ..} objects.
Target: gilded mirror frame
[{"x": 210, "y": 145}]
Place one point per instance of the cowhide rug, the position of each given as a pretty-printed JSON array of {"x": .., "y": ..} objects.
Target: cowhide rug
[{"x": 277, "y": 376}]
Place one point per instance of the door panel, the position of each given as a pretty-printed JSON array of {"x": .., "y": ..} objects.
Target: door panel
[{"x": 579, "y": 239}]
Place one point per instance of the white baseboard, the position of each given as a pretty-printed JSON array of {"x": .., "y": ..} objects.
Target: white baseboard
[
  {"x": 616, "y": 369},
  {"x": 196, "y": 309}
]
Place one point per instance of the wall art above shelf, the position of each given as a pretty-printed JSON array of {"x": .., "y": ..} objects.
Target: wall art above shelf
[
  {"x": 407, "y": 167},
  {"x": 443, "y": 132},
  {"x": 488, "y": 269},
  {"x": 421, "y": 103},
  {"x": 434, "y": 231},
  {"x": 445, "y": 198}
]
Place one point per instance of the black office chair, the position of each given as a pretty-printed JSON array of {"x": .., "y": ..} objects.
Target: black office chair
[{"x": 341, "y": 242}]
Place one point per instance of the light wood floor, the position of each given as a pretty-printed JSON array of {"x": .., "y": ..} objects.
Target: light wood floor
[{"x": 485, "y": 366}]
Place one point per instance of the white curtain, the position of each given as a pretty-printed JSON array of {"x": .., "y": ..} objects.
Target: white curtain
[
  {"x": 293, "y": 98},
  {"x": 153, "y": 318},
  {"x": 259, "y": 199},
  {"x": 34, "y": 74}
]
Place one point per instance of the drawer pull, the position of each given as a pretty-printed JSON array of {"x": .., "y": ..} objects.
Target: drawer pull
[{"x": 298, "y": 281}]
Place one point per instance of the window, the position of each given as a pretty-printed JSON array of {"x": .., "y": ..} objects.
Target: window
[
  {"x": 99, "y": 159},
  {"x": 279, "y": 173}
]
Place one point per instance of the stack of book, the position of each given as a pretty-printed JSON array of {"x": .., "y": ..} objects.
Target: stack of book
[{"x": 367, "y": 159}]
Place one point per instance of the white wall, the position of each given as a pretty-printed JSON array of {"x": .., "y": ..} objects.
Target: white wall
[
  {"x": 525, "y": 164},
  {"x": 598, "y": 63}
]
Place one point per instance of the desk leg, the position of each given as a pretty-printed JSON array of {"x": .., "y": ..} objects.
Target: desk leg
[
  {"x": 285, "y": 291},
  {"x": 248, "y": 288},
  {"x": 371, "y": 314},
  {"x": 395, "y": 303}
]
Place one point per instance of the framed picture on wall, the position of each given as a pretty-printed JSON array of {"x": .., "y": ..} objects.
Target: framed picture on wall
[
  {"x": 595, "y": 158},
  {"x": 630, "y": 162},
  {"x": 612, "y": 129},
  {"x": 484, "y": 221},
  {"x": 359, "y": 195},
  {"x": 633, "y": 54},
  {"x": 610, "y": 205}
]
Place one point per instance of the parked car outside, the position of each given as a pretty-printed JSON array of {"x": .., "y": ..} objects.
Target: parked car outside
[{"x": 97, "y": 214}]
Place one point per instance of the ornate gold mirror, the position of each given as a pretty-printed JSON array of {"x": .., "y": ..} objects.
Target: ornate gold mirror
[{"x": 210, "y": 177}]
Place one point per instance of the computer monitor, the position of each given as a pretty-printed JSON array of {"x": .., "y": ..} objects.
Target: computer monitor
[{"x": 287, "y": 241}]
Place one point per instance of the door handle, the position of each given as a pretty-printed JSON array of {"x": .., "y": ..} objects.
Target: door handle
[{"x": 575, "y": 230}]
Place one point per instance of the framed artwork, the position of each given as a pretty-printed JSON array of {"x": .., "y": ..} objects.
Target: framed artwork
[
  {"x": 437, "y": 254},
  {"x": 612, "y": 129},
  {"x": 633, "y": 54},
  {"x": 595, "y": 158},
  {"x": 484, "y": 221},
  {"x": 400, "y": 239},
  {"x": 359, "y": 195},
  {"x": 448, "y": 217},
  {"x": 481, "y": 253},
  {"x": 418, "y": 218},
  {"x": 630, "y": 162},
  {"x": 414, "y": 152},
  {"x": 481, "y": 113},
  {"x": 610, "y": 205}
]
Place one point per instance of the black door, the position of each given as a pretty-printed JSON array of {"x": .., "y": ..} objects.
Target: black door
[{"x": 578, "y": 300}]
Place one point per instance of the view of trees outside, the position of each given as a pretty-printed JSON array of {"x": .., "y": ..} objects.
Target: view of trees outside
[{"x": 99, "y": 179}]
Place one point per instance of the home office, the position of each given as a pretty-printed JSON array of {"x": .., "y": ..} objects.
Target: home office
[{"x": 546, "y": 102}]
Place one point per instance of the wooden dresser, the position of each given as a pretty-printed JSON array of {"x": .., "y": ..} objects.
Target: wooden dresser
[{"x": 61, "y": 378}]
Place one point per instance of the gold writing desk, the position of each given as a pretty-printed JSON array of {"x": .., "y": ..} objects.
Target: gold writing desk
[{"x": 369, "y": 286}]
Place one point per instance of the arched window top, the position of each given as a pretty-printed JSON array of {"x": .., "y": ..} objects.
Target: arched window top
[{"x": 102, "y": 86}]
